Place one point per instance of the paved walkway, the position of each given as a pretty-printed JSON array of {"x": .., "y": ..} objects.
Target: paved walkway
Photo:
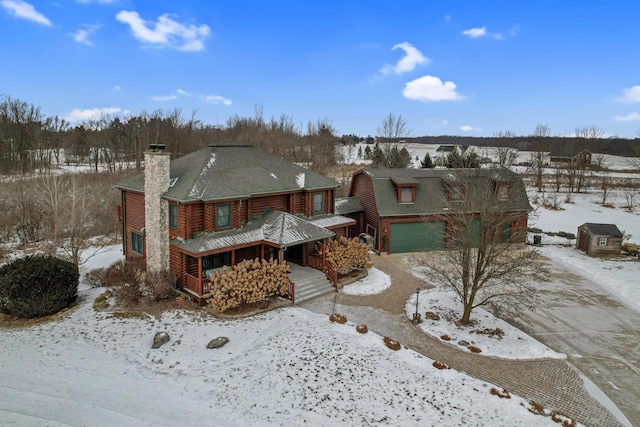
[{"x": 553, "y": 383}]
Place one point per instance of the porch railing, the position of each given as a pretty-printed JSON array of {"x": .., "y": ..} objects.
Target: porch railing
[
  {"x": 197, "y": 286},
  {"x": 332, "y": 275},
  {"x": 291, "y": 290}
]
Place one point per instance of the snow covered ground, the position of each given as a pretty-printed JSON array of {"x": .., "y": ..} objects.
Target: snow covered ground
[{"x": 284, "y": 367}]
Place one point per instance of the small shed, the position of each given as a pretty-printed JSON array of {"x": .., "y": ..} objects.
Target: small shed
[{"x": 599, "y": 239}]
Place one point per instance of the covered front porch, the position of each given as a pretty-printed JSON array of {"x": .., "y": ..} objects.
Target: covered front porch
[{"x": 274, "y": 235}]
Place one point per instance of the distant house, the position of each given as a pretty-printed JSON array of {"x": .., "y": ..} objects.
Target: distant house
[
  {"x": 569, "y": 155},
  {"x": 224, "y": 204},
  {"x": 599, "y": 239},
  {"x": 408, "y": 210}
]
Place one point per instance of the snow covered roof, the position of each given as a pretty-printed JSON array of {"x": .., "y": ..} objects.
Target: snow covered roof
[
  {"x": 348, "y": 205},
  {"x": 230, "y": 171},
  {"x": 277, "y": 228},
  {"x": 330, "y": 220}
]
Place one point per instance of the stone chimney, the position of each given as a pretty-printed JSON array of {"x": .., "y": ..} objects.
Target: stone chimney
[{"x": 156, "y": 209}]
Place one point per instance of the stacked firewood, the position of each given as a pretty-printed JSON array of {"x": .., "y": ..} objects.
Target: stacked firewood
[
  {"x": 346, "y": 255},
  {"x": 247, "y": 282}
]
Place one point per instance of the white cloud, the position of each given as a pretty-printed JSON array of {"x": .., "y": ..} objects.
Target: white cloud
[
  {"x": 82, "y": 35},
  {"x": 467, "y": 128},
  {"x": 78, "y": 115},
  {"x": 631, "y": 95},
  {"x": 478, "y": 32},
  {"x": 212, "y": 99},
  {"x": 631, "y": 117},
  {"x": 430, "y": 88},
  {"x": 97, "y": 1},
  {"x": 116, "y": 88},
  {"x": 474, "y": 33},
  {"x": 413, "y": 57},
  {"x": 165, "y": 32},
  {"x": 217, "y": 99},
  {"x": 164, "y": 97},
  {"x": 22, "y": 9}
]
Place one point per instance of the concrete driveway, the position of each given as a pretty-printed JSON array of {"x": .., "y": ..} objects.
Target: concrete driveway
[{"x": 599, "y": 334}]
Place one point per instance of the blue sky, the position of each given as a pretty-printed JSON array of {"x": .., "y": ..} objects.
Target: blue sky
[{"x": 447, "y": 67}]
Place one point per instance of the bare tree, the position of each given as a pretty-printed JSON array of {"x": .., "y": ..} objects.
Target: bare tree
[
  {"x": 504, "y": 134},
  {"x": 390, "y": 132},
  {"x": 505, "y": 156},
  {"x": 320, "y": 142},
  {"x": 539, "y": 156},
  {"x": 486, "y": 261},
  {"x": 589, "y": 132},
  {"x": 630, "y": 191},
  {"x": 606, "y": 184}
]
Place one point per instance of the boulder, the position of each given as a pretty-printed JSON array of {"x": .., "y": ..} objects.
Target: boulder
[
  {"x": 159, "y": 339},
  {"x": 218, "y": 342}
]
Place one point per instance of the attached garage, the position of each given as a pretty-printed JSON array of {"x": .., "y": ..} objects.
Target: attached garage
[{"x": 416, "y": 236}]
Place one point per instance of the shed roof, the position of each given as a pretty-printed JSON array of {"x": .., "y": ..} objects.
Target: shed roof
[
  {"x": 603, "y": 229},
  {"x": 431, "y": 193},
  {"x": 278, "y": 228},
  {"x": 227, "y": 171},
  {"x": 348, "y": 205}
]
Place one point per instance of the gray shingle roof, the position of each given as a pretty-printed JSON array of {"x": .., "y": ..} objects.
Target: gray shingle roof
[
  {"x": 604, "y": 229},
  {"x": 348, "y": 205},
  {"x": 279, "y": 228},
  {"x": 220, "y": 172},
  {"x": 431, "y": 192}
]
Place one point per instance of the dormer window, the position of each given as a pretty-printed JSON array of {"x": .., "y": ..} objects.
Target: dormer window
[
  {"x": 456, "y": 192},
  {"x": 406, "y": 195},
  {"x": 503, "y": 190}
]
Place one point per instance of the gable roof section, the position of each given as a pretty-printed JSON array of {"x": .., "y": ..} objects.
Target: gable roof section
[
  {"x": 431, "y": 197},
  {"x": 603, "y": 229},
  {"x": 227, "y": 171},
  {"x": 278, "y": 228}
]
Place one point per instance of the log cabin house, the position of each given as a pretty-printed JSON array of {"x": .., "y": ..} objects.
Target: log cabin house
[{"x": 223, "y": 204}]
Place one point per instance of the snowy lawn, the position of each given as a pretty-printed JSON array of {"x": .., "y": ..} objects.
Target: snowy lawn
[
  {"x": 285, "y": 367},
  {"x": 375, "y": 283},
  {"x": 514, "y": 344}
]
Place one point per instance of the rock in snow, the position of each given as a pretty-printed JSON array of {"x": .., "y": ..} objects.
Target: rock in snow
[
  {"x": 159, "y": 339},
  {"x": 217, "y": 342}
]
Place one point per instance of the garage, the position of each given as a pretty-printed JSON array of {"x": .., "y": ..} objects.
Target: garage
[{"x": 417, "y": 236}]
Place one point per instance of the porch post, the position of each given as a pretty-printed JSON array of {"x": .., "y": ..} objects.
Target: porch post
[
  {"x": 324, "y": 251},
  {"x": 261, "y": 252},
  {"x": 199, "y": 275},
  {"x": 233, "y": 257}
]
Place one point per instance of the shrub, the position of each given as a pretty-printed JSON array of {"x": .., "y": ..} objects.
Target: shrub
[
  {"x": 37, "y": 285},
  {"x": 131, "y": 284}
]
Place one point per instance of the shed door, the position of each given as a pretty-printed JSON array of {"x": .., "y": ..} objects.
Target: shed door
[{"x": 417, "y": 236}]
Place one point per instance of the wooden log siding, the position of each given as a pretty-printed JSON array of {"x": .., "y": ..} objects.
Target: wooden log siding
[
  {"x": 277, "y": 202},
  {"x": 134, "y": 219},
  {"x": 362, "y": 187}
]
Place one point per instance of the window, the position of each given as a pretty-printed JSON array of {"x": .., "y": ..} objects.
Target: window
[
  {"x": 406, "y": 195},
  {"x": 602, "y": 241},
  {"x": 318, "y": 203},
  {"x": 216, "y": 261},
  {"x": 457, "y": 192},
  {"x": 136, "y": 243},
  {"x": 503, "y": 191},
  {"x": 223, "y": 216},
  {"x": 173, "y": 216}
]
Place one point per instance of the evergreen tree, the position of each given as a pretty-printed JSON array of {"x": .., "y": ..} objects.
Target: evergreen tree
[
  {"x": 367, "y": 153},
  {"x": 427, "y": 162},
  {"x": 360, "y": 152}
]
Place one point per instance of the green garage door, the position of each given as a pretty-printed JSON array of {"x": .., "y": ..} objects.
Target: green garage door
[{"x": 417, "y": 236}]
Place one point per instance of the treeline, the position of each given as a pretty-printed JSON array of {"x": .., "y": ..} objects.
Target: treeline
[{"x": 30, "y": 141}]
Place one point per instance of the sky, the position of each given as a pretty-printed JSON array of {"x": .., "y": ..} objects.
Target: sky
[{"x": 472, "y": 68}]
